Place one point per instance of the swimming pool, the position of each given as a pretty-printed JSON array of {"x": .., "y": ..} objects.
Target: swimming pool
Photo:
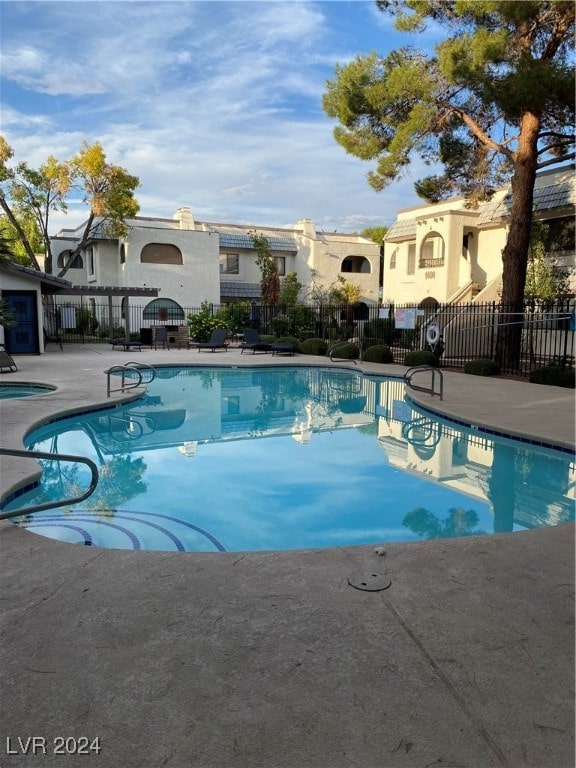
[
  {"x": 270, "y": 458},
  {"x": 9, "y": 390}
]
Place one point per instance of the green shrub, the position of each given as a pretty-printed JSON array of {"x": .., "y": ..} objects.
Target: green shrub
[
  {"x": 421, "y": 357},
  {"x": 481, "y": 367},
  {"x": 298, "y": 321},
  {"x": 202, "y": 324},
  {"x": 86, "y": 323},
  {"x": 118, "y": 332},
  {"x": 554, "y": 376},
  {"x": 282, "y": 325},
  {"x": 236, "y": 316},
  {"x": 378, "y": 354},
  {"x": 313, "y": 347},
  {"x": 346, "y": 351},
  {"x": 267, "y": 337},
  {"x": 289, "y": 340}
]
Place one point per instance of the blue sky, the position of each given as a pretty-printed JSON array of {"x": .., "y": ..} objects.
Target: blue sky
[{"x": 214, "y": 105}]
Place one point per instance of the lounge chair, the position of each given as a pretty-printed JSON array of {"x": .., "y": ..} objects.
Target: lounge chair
[
  {"x": 282, "y": 348},
  {"x": 217, "y": 340},
  {"x": 127, "y": 344},
  {"x": 253, "y": 341},
  {"x": 6, "y": 361}
]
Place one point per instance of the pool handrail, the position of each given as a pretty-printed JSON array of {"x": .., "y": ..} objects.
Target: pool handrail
[
  {"x": 424, "y": 369},
  {"x": 133, "y": 367},
  {"x": 335, "y": 349},
  {"x": 55, "y": 457}
]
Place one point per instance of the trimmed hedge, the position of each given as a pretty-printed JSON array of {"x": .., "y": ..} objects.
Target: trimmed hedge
[
  {"x": 378, "y": 354},
  {"x": 554, "y": 375},
  {"x": 481, "y": 367},
  {"x": 314, "y": 346},
  {"x": 421, "y": 357},
  {"x": 347, "y": 350}
]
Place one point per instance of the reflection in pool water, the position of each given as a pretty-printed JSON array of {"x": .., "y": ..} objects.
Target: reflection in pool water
[{"x": 282, "y": 458}]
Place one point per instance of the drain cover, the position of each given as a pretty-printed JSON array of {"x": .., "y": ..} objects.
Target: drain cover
[{"x": 369, "y": 582}]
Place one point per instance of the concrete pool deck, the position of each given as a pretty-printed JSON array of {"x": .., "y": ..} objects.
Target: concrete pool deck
[{"x": 272, "y": 660}]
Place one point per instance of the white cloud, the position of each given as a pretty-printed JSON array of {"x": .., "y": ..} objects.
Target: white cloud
[{"x": 215, "y": 105}]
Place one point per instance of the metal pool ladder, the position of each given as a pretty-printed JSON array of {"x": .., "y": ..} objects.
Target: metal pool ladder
[{"x": 130, "y": 367}]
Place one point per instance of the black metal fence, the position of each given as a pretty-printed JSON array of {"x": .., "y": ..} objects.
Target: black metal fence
[{"x": 457, "y": 332}]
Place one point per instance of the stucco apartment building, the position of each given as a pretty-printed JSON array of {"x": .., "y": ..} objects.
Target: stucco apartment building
[
  {"x": 191, "y": 262},
  {"x": 449, "y": 253}
]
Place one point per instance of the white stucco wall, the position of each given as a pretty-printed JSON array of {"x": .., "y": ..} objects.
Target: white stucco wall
[{"x": 189, "y": 284}]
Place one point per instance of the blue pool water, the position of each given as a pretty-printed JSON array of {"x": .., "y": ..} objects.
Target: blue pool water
[
  {"x": 9, "y": 391},
  {"x": 237, "y": 459}
]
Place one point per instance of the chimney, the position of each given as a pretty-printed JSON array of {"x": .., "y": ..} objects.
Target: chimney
[
  {"x": 186, "y": 218},
  {"x": 306, "y": 226}
]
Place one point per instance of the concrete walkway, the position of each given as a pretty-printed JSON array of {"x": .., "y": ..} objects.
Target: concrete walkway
[{"x": 272, "y": 660}]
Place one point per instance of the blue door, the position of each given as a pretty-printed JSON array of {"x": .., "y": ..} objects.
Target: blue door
[{"x": 22, "y": 339}]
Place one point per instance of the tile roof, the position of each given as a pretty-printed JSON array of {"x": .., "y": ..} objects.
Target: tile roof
[
  {"x": 545, "y": 199},
  {"x": 239, "y": 240},
  {"x": 240, "y": 290},
  {"x": 404, "y": 229}
]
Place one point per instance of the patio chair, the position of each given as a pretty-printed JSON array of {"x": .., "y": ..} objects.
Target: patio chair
[
  {"x": 53, "y": 338},
  {"x": 253, "y": 341},
  {"x": 160, "y": 336},
  {"x": 6, "y": 361},
  {"x": 217, "y": 340}
]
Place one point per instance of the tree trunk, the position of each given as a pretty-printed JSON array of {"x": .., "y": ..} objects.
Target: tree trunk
[
  {"x": 14, "y": 221},
  {"x": 515, "y": 253},
  {"x": 81, "y": 245}
]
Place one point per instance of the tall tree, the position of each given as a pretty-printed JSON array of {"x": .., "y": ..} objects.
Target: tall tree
[
  {"x": 33, "y": 236},
  {"x": 270, "y": 282},
  {"x": 495, "y": 103},
  {"x": 377, "y": 235},
  {"x": 26, "y": 193}
]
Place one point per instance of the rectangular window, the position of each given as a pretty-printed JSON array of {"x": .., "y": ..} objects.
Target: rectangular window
[
  {"x": 91, "y": 265},
  {"x": 411, "y": 264},
  {"x": 229, "y": 264},
  {"x": 281, "y": 264}
]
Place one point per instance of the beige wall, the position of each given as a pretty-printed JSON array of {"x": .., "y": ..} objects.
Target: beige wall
[{"x": 465, "y": 271}]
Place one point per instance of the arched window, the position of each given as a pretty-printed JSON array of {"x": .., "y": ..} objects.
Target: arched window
[
  {"x": 160, "y": 253},
  {"x": 356, "y": 264},
  {"x": 64, "y": 257},
  {"x": 163, "y": 309}
]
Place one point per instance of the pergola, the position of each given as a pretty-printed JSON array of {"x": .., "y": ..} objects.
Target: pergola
[{"x": 110, "y": 292}]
